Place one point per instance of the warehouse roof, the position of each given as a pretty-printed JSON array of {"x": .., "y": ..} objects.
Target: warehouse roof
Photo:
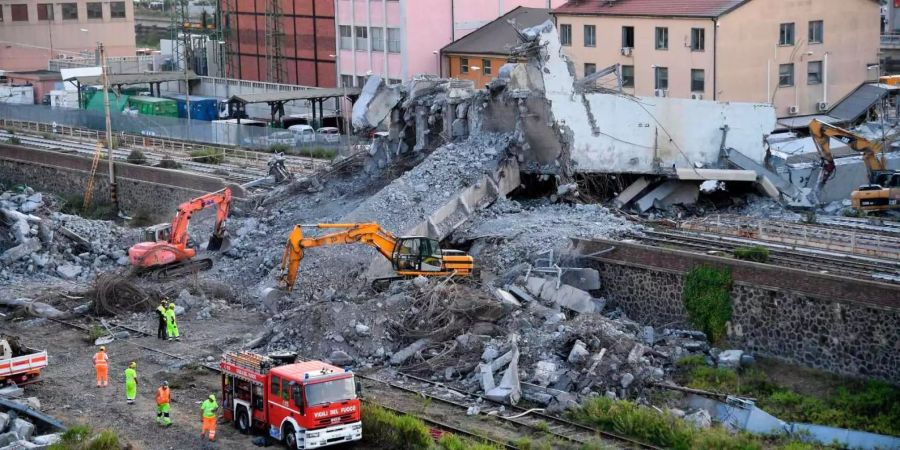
[
  {"x": 137, "y": 78},
  {"x": 305, "y": 94},
  {"x": 498, "y": 36}
]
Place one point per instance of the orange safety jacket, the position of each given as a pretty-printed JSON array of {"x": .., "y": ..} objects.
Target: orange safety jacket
[
  {"x": 100, "y": 359},
  {"x": 162, "y": 396}
]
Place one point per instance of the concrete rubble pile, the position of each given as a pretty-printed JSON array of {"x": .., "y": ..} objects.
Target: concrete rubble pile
[
  {"x": 20, "y": 431},
  {"x": 37, "y": 239}
]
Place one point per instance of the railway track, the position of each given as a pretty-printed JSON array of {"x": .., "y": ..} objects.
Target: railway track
[
  {"x": 229, "y": 172},
  {"x": 806, "y": 259},
  {"x": 500, "y": 424}
]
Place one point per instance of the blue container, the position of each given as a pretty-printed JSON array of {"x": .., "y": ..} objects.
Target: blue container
[{"x": 202, "y": 108}]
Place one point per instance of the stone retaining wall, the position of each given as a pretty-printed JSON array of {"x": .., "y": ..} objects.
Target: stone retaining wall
[
  {"x": 839, "y": 324},
  {"x": 149, "y": 191}
]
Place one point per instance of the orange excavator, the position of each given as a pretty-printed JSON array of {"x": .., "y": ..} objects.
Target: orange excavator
[
  {"x": 410, "y": 256},
  {"x": 168, "y": 252}
]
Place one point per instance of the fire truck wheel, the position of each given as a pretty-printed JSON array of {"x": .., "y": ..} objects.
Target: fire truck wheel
[
  {"x": 242, "y": 421},
  {"x": 290, "y": 438}
]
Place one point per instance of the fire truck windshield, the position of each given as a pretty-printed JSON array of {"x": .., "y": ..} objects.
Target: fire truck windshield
[{"x": 330, "y": 392}]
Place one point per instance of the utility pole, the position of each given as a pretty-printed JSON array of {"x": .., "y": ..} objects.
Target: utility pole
[{"x": 109, "y": 143}]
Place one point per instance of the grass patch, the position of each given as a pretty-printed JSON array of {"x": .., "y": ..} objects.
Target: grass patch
[
  {"x": 96, "y": 332},
  {"x": 707, "y": 298},
  {"x": 279, "y": 148},
  {"x": 99, "y": 209},
  {"x": 168, "y": 163},
  {"x": 385, "y": 429},
  {"x": 871, "y": 406},
  {"x": 661, "y": 429},
  {"x": 319, "y": 152},
  {"x": 207, "y": 156},
  {"x": 81, "y": 437},
  {"x": 756, "y": 253}
]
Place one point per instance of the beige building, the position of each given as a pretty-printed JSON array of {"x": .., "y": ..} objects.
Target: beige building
[
  {"x": 800, "y": 55},
  {"x": 33, "y": 31}
]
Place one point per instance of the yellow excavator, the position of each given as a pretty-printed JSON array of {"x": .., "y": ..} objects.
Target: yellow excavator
[
  {"x": 410, "y": 256},
  {"x": 883, "y": 191}
]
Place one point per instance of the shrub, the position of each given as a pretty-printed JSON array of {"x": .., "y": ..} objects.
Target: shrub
[
  {"x": 279, "y": 148},
  {"x": 79, "y": 437},
  {"x": 207, "y": 156},
  {"x": 168, "y": 163},
  {"x": 756, "y": 253},
  {"x": 389, "y": 430},
  {"x": 320, "y": 152},
  {"x": 137, "y": 157},
  {"x": 639, "y": 422},
  {"x": 99, "y": 209},
  {"x": 106, "y": 440},
  {"x": 95, "y": 333},
  {"x": 691, "y": 361},
  {"x": 13, "y": 140},
  {"x": 707, "y": 299}
]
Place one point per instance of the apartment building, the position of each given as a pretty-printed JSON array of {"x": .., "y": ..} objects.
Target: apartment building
[
  {"x": 800, "y": 56},
  {"x": 34, "y": 31},
  {"x": 281, "y": 41},
  {"x": 401, "y": 38},
  {"x": 479, "y": 55}
]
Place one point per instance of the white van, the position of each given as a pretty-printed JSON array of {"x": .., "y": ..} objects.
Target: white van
[
  {"x": 330, "y": 135},
  {"x": 303, "y": 133}
]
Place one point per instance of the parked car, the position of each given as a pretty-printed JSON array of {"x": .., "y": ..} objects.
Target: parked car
[
  {"x": 280, "y": 138},
  {"x": 330, "y": 135},
  {"x": 303, "y": 133}
]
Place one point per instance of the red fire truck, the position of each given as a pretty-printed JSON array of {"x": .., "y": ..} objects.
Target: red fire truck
[{"x": 308, "y": 404}]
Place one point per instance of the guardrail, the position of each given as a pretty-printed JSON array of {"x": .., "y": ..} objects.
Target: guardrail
[{"x": 890, "y": 40}]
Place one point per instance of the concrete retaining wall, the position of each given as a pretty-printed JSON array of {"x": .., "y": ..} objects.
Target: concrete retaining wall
[
  {"x": 145, "y": 190},
  {"x": 839, "y": 324}
]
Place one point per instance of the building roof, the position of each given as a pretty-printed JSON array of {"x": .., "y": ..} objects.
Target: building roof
[
  {"x": 35, "y": 75},
  {"x": 498, "y": 36},
  {"x": 305, "y": 94},
  {"x": 655, "y": 8},
  {"x": 137, "y": 78}
]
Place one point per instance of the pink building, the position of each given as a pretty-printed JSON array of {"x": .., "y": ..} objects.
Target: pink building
[
  {"x": 35, "y": 31},
  {"x": 397, "y": 39}
]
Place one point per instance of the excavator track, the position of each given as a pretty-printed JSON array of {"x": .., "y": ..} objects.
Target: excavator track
[{"x": 176, "y": 270}]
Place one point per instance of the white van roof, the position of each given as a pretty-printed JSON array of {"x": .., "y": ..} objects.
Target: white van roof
[{"x": 300, "y": 127}]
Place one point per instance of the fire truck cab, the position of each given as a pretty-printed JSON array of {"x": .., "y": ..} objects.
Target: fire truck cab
[{"x": 306, "y": 405}]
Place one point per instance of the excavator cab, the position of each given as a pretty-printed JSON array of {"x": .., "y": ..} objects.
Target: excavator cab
[
  {"x": 157, "y": 233},
  {"x": 419, "y": 254}
]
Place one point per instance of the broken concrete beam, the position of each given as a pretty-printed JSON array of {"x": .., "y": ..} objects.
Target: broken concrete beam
[
  {"x": 403, "y": 354},
  {"x": 575, "y": 299},
  {"x": 26, "y": 248},
  {"x": 667, "y": 194},
  {"x": 506, "y": 298},
  {"x": 80, "y": 241},
  {"x": 535, "y": 285},
  {"x": 626, "y": 196},
  {"x": 520, "y": 293},
  {"x": 374, "y": 103},
  {"x": 22, "y": 428},
  {"x": 691, "y": 174},
  {"x": 510, "y": 389},
  {"x": 585, "y": 279}
]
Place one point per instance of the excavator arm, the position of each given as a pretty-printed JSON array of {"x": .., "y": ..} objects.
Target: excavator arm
[
  {"x": 822, "y": 133},
  {"x": 220, "y": 199},
  {"x": 352, "y": 233}
]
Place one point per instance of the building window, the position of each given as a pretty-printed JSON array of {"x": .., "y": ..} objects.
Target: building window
[
  {"x": 590, "y": 35},
  {"x": 117, "y": 10},
  {"x": 45, "y": 11},
  {"x": 19, "y": 13},
  {"x": 786, "y": 34},
  {"x": 360, "y": 80},
  {"x": 95, "y": 10},
  {"x": 628, "y": 76},
  {"x": 661, "y": 78},
  {"x": 814, "y": 72},
  {"x": 698, "y": 39},
  {"x": 346, "y": 37},
  {"x": 393, "y": 81},
  {"x": 786, "y": 75},
  {"x": 589, "y": 68},
  {"x": 393, "y": 40},
  {"x": 565, "y": 34},
  {"x": 816, "y": 30},
  {"x": 69, "y": 11},
  {"x": 1, "y": 13},
  {"x": 698, "y": 80},
  {"x": 463, "y": 65},
  {"x": 378, "y": 39},
  {"x": 486, "y": 66},
  {"x": 346, "y": 80},
  {"x": 628, "y": 37},
  {"x": 362, "y": 38},
  {"x": 662, "y": 38}
]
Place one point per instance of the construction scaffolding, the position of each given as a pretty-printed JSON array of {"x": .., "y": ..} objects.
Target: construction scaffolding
[{"x": 277, "y": 72}]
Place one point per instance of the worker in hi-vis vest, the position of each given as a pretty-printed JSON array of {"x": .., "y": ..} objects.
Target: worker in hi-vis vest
[
  {"x": 101, "y": 366},
  {"x": 209, "y": 408},
  {"x": 131, "y": 382}
]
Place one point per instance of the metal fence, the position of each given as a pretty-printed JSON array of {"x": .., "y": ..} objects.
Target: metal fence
[{"x": 176, "y": 129}]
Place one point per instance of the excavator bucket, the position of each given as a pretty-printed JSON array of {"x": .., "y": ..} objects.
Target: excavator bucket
[
  {"x": 269, "y": 297},
  {"x": 219, "y": 243}
]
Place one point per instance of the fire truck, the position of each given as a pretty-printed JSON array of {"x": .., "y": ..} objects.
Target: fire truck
[{"x": 309, "y": 404}]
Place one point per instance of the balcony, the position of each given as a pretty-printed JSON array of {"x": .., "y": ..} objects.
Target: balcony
[{"x": 890, "y": 41}]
